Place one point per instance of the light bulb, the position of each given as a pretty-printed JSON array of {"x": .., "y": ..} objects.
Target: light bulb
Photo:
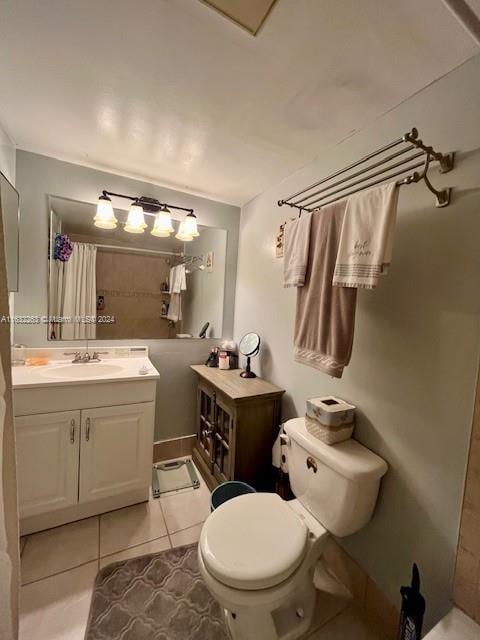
[
  {"x": 182, "y": 233},
  {"x": 162, "y": 227},
  {"x": 136, "y": 219},
  {"x": 190, "y": 225},
  {"x": 105, "y": 218}
]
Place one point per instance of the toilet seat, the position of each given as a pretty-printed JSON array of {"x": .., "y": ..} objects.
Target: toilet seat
[{"x": 254, "y": 541}]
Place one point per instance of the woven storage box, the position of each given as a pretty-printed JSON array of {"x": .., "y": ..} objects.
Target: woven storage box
[
  {"x": 330, "y": 411},
  {"x": 326, "y": 433}
]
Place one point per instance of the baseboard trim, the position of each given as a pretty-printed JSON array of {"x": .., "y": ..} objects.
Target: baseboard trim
[
  {"x": 174, "y": 448},
  {"x": 42, "y": 521}
]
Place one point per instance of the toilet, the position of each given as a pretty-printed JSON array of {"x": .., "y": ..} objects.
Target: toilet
[{"x": 259, "y": 554}]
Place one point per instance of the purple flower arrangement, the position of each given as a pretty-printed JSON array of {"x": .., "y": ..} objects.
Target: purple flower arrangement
[{"x": 63, "y": 247}]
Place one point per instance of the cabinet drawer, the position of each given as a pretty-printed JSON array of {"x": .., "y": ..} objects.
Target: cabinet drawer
[{"x": 69, "y": 397}]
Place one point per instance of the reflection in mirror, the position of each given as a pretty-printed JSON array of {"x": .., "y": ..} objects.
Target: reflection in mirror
[
  {"x": 107, "y": 284},
  {"x": 249, "y": 344},
  {"x": 10, "y": 219}
]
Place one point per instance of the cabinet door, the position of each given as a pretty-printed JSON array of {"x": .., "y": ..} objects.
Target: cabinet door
[
  {"x": 47, "y": 461},
  {"x": 206, "y": 418},
  {"x": 116, "y": 450},
  {"x": 223, "y": 441}
]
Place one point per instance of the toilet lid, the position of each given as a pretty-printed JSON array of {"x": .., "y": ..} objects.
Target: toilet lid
[{"x": 254, "y": 541}]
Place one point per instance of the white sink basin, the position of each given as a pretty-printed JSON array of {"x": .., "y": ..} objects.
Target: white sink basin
[{"x": 88, "y": 370}]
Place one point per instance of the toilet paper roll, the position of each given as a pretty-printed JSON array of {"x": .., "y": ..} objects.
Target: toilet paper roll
[
  {"x": 279, "y": 452},
  {"x": 276, "y": 452}
]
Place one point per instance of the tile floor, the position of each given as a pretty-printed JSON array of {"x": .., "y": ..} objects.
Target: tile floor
[
  {"x": 348, "y": 625},
  {"x": 59, "y": 565}
]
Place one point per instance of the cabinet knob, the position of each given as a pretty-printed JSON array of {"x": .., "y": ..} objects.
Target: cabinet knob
[
  {"x": 87, "y": 429},
  {"x": 72, "y": 430}
]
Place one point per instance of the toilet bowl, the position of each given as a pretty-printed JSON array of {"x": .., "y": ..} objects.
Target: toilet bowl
[{"x": 258, "y": 553}]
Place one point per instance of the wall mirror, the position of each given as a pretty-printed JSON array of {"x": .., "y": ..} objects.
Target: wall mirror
[
  {"x": 10, "y": 216},
  {"x": 109, "y": 284}
]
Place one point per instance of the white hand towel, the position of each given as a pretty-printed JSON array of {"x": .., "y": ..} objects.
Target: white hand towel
[
  {"x": 296, "y": 246},
  {"x": 175, "y": 308},
  {"x": 177, "y": 279},
  {"x": 182, "y": 278},
  {"x": 172, "y": 279},
  {"x": 366, "y": 241}
]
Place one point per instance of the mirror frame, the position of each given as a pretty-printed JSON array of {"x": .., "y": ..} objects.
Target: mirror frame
[
  {"x": 15, "y": 287},
  {"x": 50, "y": 197}
]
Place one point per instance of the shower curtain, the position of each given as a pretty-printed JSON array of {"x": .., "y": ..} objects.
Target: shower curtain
[
  {"x": 6, "y": 622},
  {"x": 74, "y": 293}
]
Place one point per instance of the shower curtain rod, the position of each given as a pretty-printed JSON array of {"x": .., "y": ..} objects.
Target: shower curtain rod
[
  {"x": 311, "y": 198},
  {"x": 139, "y": 250},
  {"x": 184, "y": 259}
]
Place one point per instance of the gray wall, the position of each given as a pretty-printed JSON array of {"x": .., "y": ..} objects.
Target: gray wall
[
  {"x": 38, "y": 176},
  {"x": 416, "y": 348}
]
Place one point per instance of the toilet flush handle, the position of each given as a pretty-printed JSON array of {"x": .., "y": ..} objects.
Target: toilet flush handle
[{"x": 284, "y": 439}]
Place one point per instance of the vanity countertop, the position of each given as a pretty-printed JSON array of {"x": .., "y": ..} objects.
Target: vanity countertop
[
  {"x": 235, "y": 387},
  {"x": 59, "y": 373}
]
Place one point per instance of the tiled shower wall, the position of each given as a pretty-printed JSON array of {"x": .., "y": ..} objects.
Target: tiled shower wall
[{"x": 467, "y": 574}]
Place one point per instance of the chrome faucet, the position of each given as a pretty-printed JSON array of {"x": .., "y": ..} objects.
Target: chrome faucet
[
  {"x": 76, "y": 355},
  {"x": 96, "y": 355},
  {"x": 78, "y": 358}
]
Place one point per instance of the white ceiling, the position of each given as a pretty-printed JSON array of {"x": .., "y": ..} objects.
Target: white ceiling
[
  {"x": 248, "y": 14},
  {"x": 171, "y": 92}
]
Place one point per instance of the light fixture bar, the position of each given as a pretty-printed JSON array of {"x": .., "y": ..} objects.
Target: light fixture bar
[
  {"x": 139, "y": 208},
  {"x": 147, "y": 201}
]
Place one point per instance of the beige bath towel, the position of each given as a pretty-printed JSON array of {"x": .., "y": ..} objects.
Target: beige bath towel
[
  {"x": 295, "y": 252},
  {"x": 325, "y": 317},
  {"x": 366, "y": 243}
]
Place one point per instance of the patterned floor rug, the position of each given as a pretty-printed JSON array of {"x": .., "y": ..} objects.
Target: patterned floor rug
[{"x": 155, "y": 597}]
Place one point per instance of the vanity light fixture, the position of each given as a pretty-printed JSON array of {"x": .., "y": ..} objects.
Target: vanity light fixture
[
  {"x": 105, "y": 218},
  {"x": 143, "y": 206},
  {"x": 190, "y": 225},
  {"x": 162, "y": 227},
  {"x": 136, "y": 219},
  {"x": 182, "y": 233}
]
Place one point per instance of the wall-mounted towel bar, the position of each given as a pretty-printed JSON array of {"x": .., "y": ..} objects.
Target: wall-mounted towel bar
[
  {"x": 412, "y": 155},
  {"x": 190, "y": 260}
]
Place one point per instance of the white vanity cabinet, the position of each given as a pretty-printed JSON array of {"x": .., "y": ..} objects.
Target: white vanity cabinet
[
  {"x": 82, "y": 449},
  {"x": 72, "y": 457},
  {"x": 115, "y": 450},
  {"x": 48, "y": 447}
]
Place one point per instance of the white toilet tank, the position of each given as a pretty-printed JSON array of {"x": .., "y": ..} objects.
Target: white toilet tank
[{"x": 338, "y": 484}]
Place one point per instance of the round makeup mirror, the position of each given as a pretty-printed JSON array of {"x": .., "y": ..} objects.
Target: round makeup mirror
[{"x": 249, "y": 346}]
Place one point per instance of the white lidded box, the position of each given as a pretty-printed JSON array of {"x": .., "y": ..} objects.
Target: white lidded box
[{"x": 330, "y": 411}]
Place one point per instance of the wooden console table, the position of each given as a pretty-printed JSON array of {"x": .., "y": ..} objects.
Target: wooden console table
[{"x": 237, "y": 422}]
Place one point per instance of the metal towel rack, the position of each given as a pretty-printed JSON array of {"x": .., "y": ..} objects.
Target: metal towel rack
[
  {"x": 190, "y": 260},
  {"x": 311, "y": 198}
]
